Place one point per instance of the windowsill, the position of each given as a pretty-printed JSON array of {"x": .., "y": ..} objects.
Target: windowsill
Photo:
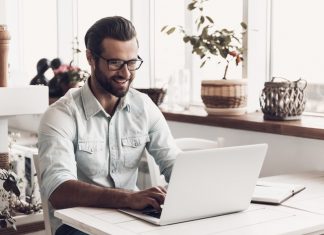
[{"x": 308, "y": 127}]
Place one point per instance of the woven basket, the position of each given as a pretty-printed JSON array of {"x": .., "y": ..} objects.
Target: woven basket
[
  {"x": 284, "y": 99},
  {"x": 4, "y": 161},
  {"x": 224, "y": 93},
  {"x": 156, "y": 94}
]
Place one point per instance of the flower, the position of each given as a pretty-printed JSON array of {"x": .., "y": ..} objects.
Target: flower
[
  {"x": 66, "y": 76},
  {"x": 71, "y": 74}
]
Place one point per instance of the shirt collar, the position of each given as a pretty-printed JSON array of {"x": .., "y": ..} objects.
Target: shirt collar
[
  {"x": 92, "y": 106},
  {"x": 124, "y": 103},
  {"x": 90, "y": 103}
]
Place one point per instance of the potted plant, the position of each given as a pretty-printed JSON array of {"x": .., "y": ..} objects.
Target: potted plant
[
  {"x": 66, "y": 76},
  {"x": 219, "y": 96}
]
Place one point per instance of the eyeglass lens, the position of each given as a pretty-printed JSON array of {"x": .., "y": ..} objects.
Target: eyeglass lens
[{"x": 118, "y": 64}]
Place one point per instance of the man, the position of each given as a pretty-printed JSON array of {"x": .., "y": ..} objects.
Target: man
[{"x": 92, "y": 139}]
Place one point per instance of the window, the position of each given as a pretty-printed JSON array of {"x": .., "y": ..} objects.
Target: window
[
  {"x": 86, "y": 18},
  {"x": 51, "y": 32},
  {"x": 172, "y": 55},
  {"x": 33, "y": 36},
  {"x": 169, "y": 50},
  {"x": 297, "y": 40}
]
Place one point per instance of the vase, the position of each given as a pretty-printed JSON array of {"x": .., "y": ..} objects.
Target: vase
[{"x": 224, "y": 97}]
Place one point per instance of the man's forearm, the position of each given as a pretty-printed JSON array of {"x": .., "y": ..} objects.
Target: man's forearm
[{"x": 76, "y": 193}]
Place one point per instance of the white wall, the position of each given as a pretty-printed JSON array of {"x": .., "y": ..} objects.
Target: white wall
[{"x": 286, "y": 154}]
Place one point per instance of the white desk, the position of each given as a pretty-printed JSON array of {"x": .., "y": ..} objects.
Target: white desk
[
  {"x": 258, "y": 219},
  {"x": 312, "y": 198}
]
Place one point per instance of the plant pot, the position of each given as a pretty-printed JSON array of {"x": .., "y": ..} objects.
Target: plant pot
[
  {"x": 224, "y": 97},
  {"x": 283, "y": 99}
]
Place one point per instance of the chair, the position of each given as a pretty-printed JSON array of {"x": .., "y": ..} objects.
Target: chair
[
  {"x": 185, "y": 144},
  {"x": 44, "y": 201}
]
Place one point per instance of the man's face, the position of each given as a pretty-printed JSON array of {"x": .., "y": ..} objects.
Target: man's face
[{"x": 116, "y": 82}]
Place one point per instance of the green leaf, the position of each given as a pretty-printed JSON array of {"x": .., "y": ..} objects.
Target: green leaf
[
  {"x": 186, "y": 39},
  {"x": 237, "y": 39},
  {"x": 192, "y": 6},
  {"x": 202, "y": 19},
  {"x": 202, "y": 64},
  {"x": 226, "y": 31},
  {"x": 192, "y": 41},
  {"x": 204, "y": 32},
  {"x": 171, "y": 30},
  {"x": 163, "y": 28},
  {"x": 223, "y": 53},
  {"x": 210, "y": 19},
  {"x": 244, "y": 25}
]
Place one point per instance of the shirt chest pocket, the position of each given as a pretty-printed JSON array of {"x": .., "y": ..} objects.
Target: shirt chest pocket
[
  {"x": 133, "y": 148},
  {"x": 91, "y": 157}
]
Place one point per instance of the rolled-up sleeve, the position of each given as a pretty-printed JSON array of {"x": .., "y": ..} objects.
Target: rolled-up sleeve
[
  {"x": 162, "y": 145},
  {"x": 56, "y": 150}
]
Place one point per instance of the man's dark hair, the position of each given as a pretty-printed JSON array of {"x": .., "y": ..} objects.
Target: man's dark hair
[{"x": 115, "y": 27}]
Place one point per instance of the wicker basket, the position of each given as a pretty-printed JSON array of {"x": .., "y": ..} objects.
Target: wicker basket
[
  {"x": 283, "y": 100},
  {"x": 4, "y": 161},
  {"x": 156, "y": 94},
  {"x": 224, "y": 93}
]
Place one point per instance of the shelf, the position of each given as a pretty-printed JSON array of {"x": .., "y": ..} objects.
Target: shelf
[
  {"x": 308, "y": 127},
  {"x": 23, "y": 100},
  {"x": 19, "y": 101}
]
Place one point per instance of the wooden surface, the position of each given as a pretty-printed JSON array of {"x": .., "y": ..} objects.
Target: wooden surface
[{"x": 308, "y": 127}]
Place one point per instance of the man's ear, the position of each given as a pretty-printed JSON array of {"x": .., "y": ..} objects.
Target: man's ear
[{"x": 91, "y": 60}]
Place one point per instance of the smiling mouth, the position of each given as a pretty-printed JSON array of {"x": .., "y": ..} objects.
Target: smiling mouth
[{"x": 123, "y": 81}]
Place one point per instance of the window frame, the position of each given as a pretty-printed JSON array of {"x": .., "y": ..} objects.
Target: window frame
[{"x": 142, "y": 15}]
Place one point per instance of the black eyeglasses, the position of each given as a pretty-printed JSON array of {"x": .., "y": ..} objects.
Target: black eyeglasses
[{"x": 115, "y": 64}]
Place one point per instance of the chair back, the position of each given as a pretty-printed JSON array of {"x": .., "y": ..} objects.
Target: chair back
[
  {"x": 186, "y": 144},
  {"x": 47, "y": 223}
]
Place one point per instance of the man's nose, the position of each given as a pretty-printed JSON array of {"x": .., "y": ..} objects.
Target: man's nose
[{"x": 124, "y": 71}]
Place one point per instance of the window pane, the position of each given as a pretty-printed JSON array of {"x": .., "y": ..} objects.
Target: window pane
[
  {"x": 226, "y": 14},
  {"x": 297, "y": 51},
  {"x": 91, "y": 11},
  {"x": 169, "y": 49},
  {"x": 33, "y": 36}
]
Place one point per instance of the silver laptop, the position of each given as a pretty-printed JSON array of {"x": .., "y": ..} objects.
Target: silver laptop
[{"x": 206, "y": 183}]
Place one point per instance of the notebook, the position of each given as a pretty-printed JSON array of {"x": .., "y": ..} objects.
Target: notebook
[
  {"x": 274, "y": 193},
  {"x": 210, "y": 182}
]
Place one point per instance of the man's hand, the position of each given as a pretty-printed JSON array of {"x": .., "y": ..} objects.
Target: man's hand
[
  {"x": 84, "y": 194},
  {"x": 150, "y": 197}
]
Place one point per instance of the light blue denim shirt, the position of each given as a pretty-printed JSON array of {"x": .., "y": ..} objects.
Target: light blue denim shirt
[{"x": 78, "y": 140}]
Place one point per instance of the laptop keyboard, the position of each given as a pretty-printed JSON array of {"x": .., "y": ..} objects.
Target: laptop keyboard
[{"x": 152, "y": 212}]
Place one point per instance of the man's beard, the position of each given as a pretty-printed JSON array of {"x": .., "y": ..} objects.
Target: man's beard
[{"x": 109, "y": 85}]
